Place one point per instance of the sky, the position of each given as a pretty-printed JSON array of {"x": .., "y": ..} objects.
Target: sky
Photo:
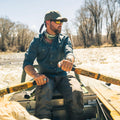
[{"x": 32, "y": 12}]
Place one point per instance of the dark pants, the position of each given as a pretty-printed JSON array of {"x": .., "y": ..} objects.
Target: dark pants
[{"x": 71, "y": 91}]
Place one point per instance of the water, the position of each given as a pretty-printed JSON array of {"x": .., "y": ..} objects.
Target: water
[
  {"x": 105, "y": 61},
  {"x": 102, "y": 60}
]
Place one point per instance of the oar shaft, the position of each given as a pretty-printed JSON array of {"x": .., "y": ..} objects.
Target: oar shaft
[
  {"x": 29, "y": 84},
  {"x": 97, "y": 76},
  {"x": 19, "y": 87}
]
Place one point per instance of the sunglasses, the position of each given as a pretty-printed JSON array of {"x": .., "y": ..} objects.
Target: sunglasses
[{"x": 58, "y": 21}]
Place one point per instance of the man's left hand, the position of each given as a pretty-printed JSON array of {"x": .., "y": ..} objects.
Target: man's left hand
[{"x": 65, "y": 65}]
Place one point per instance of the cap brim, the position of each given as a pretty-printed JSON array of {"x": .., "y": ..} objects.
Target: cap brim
[{"x": 63, "y": 19}]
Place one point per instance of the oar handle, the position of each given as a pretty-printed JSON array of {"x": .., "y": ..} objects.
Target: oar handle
[{"x": 18, "y": 87}]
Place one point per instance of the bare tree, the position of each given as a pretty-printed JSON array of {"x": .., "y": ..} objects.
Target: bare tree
[
  {"x": 95, "y": 9},
  {"x": 107, "y": 26},
  {"x": 17, "y": 36},
  {"x": 24, "y": 36},
  {"x": 5, "y": 27},
  {"x": 68, "y": 32},
  {"x": 113, "y": 19},
  {"x": 85, "y": 27}
]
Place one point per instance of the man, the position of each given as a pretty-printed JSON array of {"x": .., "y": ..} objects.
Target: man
[{"x": 54, "y": 55}]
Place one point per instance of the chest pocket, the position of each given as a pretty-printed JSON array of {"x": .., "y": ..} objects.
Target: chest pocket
[
  {"x": 57, "y": 52},
  {"x": 42, "y": 52}
]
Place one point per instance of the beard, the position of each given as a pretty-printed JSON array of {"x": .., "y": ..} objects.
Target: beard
[{"x": 55, "y": 30}]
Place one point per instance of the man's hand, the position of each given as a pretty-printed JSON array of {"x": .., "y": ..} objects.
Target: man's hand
[
  {"x": 65, "y": 65},
  {"x": 41, "y": 79}
]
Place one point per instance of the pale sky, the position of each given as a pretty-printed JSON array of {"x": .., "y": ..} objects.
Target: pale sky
[{"x": 31, "y": 12}]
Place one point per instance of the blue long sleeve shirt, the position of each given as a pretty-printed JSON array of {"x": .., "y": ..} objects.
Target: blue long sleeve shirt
[{"x": 48, "y": 55}]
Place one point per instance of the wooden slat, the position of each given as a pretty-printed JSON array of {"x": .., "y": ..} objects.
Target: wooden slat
[
  {"x": 110, "y": 98},
  {"x": 112, "y": 104}
]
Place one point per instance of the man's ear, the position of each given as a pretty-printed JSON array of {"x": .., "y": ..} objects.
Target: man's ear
[{"x": 47, "y": 22}]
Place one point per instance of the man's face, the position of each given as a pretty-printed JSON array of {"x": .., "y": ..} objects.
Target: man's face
[{"x": 56, "y": 26}]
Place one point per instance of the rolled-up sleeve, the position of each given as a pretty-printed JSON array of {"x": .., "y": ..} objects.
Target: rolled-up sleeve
[
  {"x": 31, "y": 53},
  {"x": 68, "y": 47}
]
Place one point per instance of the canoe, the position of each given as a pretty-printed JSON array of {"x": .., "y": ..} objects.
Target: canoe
[
  {"x": 98, "y": 105},
  {"x": 27, "y": 99}
]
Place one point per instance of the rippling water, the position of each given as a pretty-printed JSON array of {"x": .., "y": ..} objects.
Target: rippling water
[{"x": 102, "y": 60}]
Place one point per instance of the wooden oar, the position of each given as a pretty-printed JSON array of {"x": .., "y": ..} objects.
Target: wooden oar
[
  {"x": 18, "y": 87},
  {"x": 96, "y": 76}
]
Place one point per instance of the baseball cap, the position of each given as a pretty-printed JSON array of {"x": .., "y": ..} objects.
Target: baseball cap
[{"x": 54, "y": 15}]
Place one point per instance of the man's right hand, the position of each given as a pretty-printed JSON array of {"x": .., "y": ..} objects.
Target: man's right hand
[{"x": 41, "y": 79}]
